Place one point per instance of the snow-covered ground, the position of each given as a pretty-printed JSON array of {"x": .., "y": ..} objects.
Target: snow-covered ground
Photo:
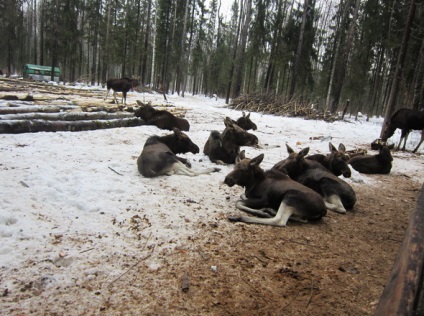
[{"x": 71, "y": 200}]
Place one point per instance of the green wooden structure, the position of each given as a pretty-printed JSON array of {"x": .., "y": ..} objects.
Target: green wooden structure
[{"x": 40, "y": 73}]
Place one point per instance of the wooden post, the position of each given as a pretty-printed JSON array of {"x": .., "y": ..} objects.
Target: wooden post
[
  {"x": 345, "y": 108},
  {"x": 402, "y": 294}
]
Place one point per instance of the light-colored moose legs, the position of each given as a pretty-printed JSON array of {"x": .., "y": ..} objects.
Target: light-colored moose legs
[
  {"x": 421, "y": 141},
  {"x": 107, "y": 93},
  {"x": 334, "y": 203},
  {"x": 280, "y": 219},
  {"x": 180, "y": 168}
]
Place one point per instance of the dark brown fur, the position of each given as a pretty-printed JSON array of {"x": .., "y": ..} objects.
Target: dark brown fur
[
  {"x": 373, "y": 164},
  {"x": 245, "y": 122},
  {"x": 123, "y": 85},
  {"x": 338, "y": 195},
  {"x": 159, "y": 156},
  {"x": 160, "y": 118},
  {"x": 406, "y": 120},
  {"x": 272, "y": 192},
  {"x": 224, "y": 148},
  {"x": 335, "y": 161}
]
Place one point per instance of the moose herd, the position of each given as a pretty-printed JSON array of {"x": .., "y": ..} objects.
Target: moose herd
[{"x": 300, "y": 187}]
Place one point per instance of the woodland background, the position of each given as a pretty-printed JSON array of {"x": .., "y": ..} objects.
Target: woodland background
[{"x": 320, "y": 53}]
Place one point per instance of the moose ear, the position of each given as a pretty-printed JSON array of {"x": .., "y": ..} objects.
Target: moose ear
[
  {"x": 303, "y": 152},
  {"x": 176, "y": 131},
  {"x": 342, "y": 148},
  {"x": 257, "y": 160},
  {"x": 289, "y": 149},
  {"x": 240, "y": 156},
  {"x": 248, "y": 115},
  {"x": 243, "y": 113},
  {"x": 140, "y": 103},
  {"x": 228, "y": 122},
  {"x": 331, "y": 147}
]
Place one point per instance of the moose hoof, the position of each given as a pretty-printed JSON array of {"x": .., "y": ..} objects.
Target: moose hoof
[{"x": 234, "y": 218}]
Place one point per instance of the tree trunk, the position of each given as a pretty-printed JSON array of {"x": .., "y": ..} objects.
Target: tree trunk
[
  {"x": 345, "y": 58},
  {"x": 390, "y": 107},
  {"x": 241, "y": 52},
  {"x": 299, "y": 49},
  {"x": 419, "y": 79},
  {"x": 338, "y": 40},
  {"x": 230, "y": 79}
]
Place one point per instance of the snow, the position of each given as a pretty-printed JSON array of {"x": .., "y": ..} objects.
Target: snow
[{"x": 71, "y": 200}]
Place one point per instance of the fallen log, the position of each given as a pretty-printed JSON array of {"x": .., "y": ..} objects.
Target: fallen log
[
  {"x": 67, "y": 116},
  {"x": 35, "y": 108},
  {"x": 34, "y": 126},
  {"x": 403, "y": 293}
]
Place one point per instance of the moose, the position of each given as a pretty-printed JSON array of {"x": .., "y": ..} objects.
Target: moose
[
  {"x": 160, "y": 118},
  {"x": 123, "y": 85},
  {"x": 335, "y": 161},
  {"x": 338, "y": 194},
  {"x": 373, "y": 164},
  {"x": 406, "y": 120},
  {"x": 159, "y": 156},
  {"x": 245, "y": 122},
  {"x": 223, "y": 148},
  {"x": 272, "y": 196}
]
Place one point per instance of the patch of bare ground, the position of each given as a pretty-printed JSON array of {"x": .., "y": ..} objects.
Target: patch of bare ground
[{"x": 338, "y": 266}]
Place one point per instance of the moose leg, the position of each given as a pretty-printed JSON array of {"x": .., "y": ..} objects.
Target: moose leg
[
  {"x": 334, "y": 203},
  {"x": 184, "y": 161},
  {"x": 421, "y": 141},
  {"x": 124, "y": 97},
  {"x": 404, "y": 139},
  {"x": 253, "y": 211},
  {"x": 280, "y": 219},
  {"x": 179, "y": 168},
  {"x": 107, "y": 93},
  {"x": 114, "y": 96}
]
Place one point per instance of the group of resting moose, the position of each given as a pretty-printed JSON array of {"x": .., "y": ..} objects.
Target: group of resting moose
[{"x": 301, "y": 187}]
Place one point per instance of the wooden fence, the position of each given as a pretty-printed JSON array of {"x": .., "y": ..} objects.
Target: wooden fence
[{"x": 403, "y": 294}]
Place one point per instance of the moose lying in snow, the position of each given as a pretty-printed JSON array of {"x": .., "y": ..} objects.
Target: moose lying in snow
[
  {"x": 160, "y": 118},
  {"x": 159, "y": 156},
  {"x": 224, "y": 148},
  {"x": 272, "y": 193},
  {"x": 245, "y": 122},
  {"x": 338, "y": 195},
  {"x": 335, "y": 161},
  {"x": 123, "y": 85},
  {"x": 373, "y": 164},
  {"x": 406, "y": 120}
]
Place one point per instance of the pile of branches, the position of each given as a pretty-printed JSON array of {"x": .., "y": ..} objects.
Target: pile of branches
[{"x": 270, "y": 104}]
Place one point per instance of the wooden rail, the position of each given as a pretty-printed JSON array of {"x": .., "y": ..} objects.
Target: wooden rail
[{"x": 403, "y": 294}]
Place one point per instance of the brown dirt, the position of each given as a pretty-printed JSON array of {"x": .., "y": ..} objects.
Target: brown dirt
[{"x": 338, "y": 266}]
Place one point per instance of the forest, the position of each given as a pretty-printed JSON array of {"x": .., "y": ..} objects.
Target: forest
[{"x": 366, "y": 53}]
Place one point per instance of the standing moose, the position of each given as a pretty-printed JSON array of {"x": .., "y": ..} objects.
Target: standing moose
[
  {"x": 406, "y": 120},
  {"x": 123, "y": 85}
]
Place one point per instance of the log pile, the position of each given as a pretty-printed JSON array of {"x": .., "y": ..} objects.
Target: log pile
[
  {"x": 30, "y": 106},
  {"x": 270, "y": 104}
]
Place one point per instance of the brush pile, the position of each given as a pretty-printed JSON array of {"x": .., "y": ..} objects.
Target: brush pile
[{"x": 270, "y": 104}]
